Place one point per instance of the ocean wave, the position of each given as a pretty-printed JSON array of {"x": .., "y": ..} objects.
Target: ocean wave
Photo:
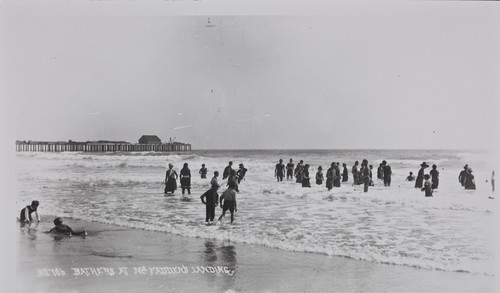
[
  {"x": 363, "y": 229},
  {"x": 394, "y": 225},
  {"x": 299, "y": 243}
]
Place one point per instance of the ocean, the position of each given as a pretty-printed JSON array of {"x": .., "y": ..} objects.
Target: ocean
[{"x": 453, "y": 231}]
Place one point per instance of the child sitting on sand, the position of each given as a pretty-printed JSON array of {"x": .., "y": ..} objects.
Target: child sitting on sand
[
  {"x": 427, "y": 186},
  {"x": 62, "y": 228}
]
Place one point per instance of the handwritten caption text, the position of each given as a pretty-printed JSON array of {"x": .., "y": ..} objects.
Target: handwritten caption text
[{"x": 126, "y": 271}]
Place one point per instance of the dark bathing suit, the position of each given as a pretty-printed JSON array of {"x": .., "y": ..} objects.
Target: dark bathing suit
[
  {"x": 212, "y": 197},
  {"x": 289, "y": 170},
  {"x": 30, "y": 211},
  {"x": 280, "y": 171}
]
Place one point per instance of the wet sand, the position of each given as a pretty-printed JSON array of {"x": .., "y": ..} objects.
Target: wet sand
[{"x": 154, "y": 262}]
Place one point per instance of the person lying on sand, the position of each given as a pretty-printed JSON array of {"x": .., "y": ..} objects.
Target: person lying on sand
[{"x": 62, "y": 228}]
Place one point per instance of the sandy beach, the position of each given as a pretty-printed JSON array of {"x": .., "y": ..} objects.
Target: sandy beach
[
  {"x": 118, "y": 259},
  {"x": 104, "y": 100}
]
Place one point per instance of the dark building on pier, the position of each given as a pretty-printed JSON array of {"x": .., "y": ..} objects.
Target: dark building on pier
[{"x": 149, "y": 139}]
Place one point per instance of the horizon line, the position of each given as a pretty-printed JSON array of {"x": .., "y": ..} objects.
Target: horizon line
[{"x": 340, "y": 149}]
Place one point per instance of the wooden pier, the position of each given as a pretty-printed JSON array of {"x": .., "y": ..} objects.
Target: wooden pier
[{"x": 99, "y": 146}]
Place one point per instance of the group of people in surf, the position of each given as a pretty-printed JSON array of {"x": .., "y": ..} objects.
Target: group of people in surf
[
  {"x": 466, "y": 179},
  {"x": 211, "y": 197},
  {"x": 362, "y": 175},
  {"x": 184, "y": 176},
  {"x": 431, "y": 180}
]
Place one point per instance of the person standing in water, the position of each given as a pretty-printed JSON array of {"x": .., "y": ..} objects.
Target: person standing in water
[
  {"x": 493, "y": 181},
  {"x": 185, "y": 179},
  {"x": 214, "y": 185},
  {"x": 420, "y": 176},
  {"x": 434, "y": 177},
  {"x": 170, "y": 180},
  {"x": 227, "y": 170},
  {"x": 380, "y": 171},
  {"x": 233, "y": 180},
  {"x": 26, "y": 217},
  {"x": 371, "y": 176},
  {"x": 463, "y": 175},
  {"x": 330, "y": 173},
  {"x": 279, "y": 171},
  {"x": 299, "y": 171},
  {"x": 203, "y": 171},
  {"x": 365, "y": 174},
  {"x": 319, "y": 176},
  {"x": 336, "y": 175},
  {"x": 229, "y": 199},
  {"x": 427, "y": 186},
  {"x": 470, "y": 183},
  {"x": 212, "y": 198},
  {"x": 240, "y": 174},
  {"x": 387, "y": 173},
  {"x": 305, "y": 177},
  {"x": 289, "y": 170},
  {"x": 355, "y": 173},
  {"x": 345, "y": 173}
]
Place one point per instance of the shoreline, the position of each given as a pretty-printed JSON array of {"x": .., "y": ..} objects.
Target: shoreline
[
  {"x": 154, "y": 259},
  {"x": 264, "y": 246}
]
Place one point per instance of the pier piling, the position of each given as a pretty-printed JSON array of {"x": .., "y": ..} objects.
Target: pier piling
[{"x": 95, "y": 147}]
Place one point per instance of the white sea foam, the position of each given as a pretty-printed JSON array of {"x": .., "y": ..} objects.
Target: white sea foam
[{"x": 396, "y": 225}]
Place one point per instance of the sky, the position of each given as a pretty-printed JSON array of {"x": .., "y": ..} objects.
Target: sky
[{"x": 418, "y": 74}]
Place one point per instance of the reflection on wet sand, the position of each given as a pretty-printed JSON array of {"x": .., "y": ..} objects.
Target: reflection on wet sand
[
  {"x": 218, "y": 254},
  {"x": 29, "y": 230}
]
